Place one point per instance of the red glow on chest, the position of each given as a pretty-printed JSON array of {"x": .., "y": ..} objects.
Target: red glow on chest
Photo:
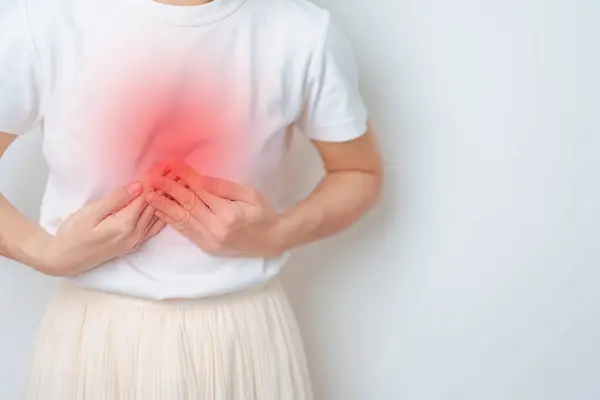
[{"x": 153, "y": 117}]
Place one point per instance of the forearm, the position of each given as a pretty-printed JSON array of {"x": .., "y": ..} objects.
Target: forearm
[
  {"x": 20, "y": 239},
  {"x": 339, "y": 201},
  {"x": 5, "y": 140}
]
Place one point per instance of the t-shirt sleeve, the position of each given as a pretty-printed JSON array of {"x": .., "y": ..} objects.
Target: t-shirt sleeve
[
  {"x": 20, "y": 75},
  {"x": 334, "y": 110}
]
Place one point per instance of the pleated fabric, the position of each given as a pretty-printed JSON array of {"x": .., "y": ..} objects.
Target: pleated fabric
[{"x": 94, "y": 345}]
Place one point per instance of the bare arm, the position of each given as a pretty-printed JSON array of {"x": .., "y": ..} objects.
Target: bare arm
[
  {"x": 5, "y": 140},
  {"x": 97, "y": 233},
  {"x": 351, "y": 186},
  {"x": 19, "y": 237}
]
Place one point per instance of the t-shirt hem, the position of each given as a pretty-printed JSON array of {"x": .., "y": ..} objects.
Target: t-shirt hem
[
  {"x": 341, "y": 132},
  {"x": 12, "y": 129}
]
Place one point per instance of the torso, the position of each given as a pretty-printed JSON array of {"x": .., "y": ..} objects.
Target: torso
[{"x": 126, "y": 87}]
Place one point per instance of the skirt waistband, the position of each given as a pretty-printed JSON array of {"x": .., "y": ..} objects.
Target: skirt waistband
[{"x": 73, "y": 291}]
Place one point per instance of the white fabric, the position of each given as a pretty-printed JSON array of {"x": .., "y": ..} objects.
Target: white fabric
[
  {"x": 99, "y": 346},
  {"x": 220, "y": 85}
]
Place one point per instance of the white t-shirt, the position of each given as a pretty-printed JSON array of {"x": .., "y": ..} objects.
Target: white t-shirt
[{"x": 118, "y": 85}]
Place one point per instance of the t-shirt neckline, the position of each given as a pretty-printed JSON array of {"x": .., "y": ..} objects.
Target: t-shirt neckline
[{"x": 203, "y": 14}]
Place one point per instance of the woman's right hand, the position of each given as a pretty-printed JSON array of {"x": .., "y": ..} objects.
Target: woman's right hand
[{"x": 99, "y": 232}]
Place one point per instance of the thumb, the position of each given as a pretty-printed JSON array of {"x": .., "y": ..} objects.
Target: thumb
[{"x": 118, "y": 199}]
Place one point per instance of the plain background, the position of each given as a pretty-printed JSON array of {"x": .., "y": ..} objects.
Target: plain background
[{"x": 477, "y": 277}]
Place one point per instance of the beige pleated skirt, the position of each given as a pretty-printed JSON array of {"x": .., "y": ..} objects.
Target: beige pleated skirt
[{"x": 98, "y": 346}]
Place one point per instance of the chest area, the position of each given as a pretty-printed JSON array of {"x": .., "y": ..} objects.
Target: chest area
[{"x": 124, "y": 101}]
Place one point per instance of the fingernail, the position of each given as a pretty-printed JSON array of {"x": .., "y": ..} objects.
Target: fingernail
[{"x": 134, "y": 188}]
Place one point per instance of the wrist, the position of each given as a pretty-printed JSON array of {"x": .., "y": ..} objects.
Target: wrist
[
  {"x": 37, "y": 251},
  {"x": 290, "y": 230},
  {"x": 23, "y": 240},
  {"x": 28, "y": 245},
  {"x": 278, "y": 242}
]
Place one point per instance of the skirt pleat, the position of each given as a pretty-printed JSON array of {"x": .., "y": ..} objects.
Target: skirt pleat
[{"x": 94, "y": 345}]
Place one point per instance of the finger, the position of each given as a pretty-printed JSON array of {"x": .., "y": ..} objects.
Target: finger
[
  {"x": 209, "y": 202},
  {"x": 216, "y": 205},
  {"x": 144, "y": 221},
  {"x": 175, "y": 215},
  {"x": 188, "y": 226},
  {"x": 117, "y": 200},
  {"x": 172, "y": 177},
  {"x": 186, "y": 174},
  {"x": 156, "y": 226},
  {"x": 186, "y": 198},
  {"x": 195, "y": 231},
  {"x": 152, "y": 221},
  {"x": 170, "y": 187},
  {"x": 216, "y": 186},
  {"x": 160, "y": 169},
  {"x": 230, "y": 190},
  {"x": 133, "y": 211},
  {"x": 180, "y": 219}
]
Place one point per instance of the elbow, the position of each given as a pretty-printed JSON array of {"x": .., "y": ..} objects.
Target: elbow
[
  {"x": 370, "y": 190},
  {"x": 374, "y": 192}
]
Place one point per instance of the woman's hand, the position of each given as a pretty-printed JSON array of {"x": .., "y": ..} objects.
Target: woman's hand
[
  {"x": 100, "y": 232},
  {"x": 221, "y": 217}
]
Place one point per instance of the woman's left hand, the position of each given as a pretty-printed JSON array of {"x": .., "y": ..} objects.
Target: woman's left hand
[{"x": 221, "y": 217}]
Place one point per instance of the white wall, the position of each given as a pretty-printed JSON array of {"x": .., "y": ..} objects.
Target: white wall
[{"x": 478, "y": 276}]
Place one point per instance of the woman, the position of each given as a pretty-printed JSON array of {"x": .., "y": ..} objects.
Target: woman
[{"x": 166, "y": 130}]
